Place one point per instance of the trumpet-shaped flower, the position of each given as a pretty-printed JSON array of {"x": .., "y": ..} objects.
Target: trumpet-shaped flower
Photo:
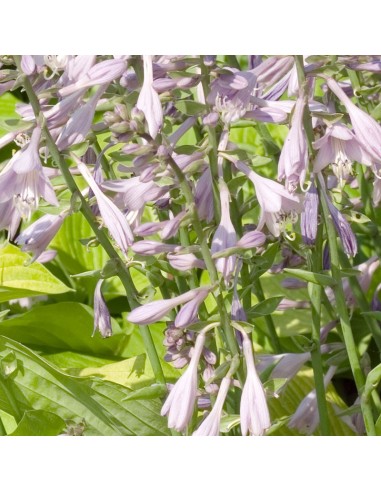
[
  {"x": 102, "y": 320},
  {"x": 255, "y": 417},
  {"x": 339, "y": 147},
  {"x": 293, "y": 160},
  {"x": 211, "y": 425},
  {"x": 149, "y": 101},
  {"x": 24, "y": 180},
  {"x": 38, "y": 235},
  {"x": 156, "y": 310},
  {"x": 225, "y": 236},
  {"x": 279, "y": 208},
  {"x": 113, "y": 218},
  {"x": 367, "y": 130},
  {"x": 188, "y": 313},
  {"x": 180, "y": 403},
  {"x": 309, "y": 216}
]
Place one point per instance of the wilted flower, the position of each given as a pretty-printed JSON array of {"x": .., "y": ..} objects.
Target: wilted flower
[
  {"x": 293, "y": 160},
  {"x": 102, "y": 320},
  {"x": 38, "y": 235},
  {"x": 255, "y": 417},
  {"x": 211, "y": 425},
  {"x": 149, "y": 101},
  {"x": 180, "y": 403},
  {"x": 306, "y": 417},
  {"x": 113, "y": 218}
]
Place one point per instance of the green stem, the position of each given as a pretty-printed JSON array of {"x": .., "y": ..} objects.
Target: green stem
[
  {"x": 186, "y": 189},
  {"x": 341, "y": 307},
  {"x": 2, "y": 428},
  {"x": 124, "y": 273},
  {"x": 268, "y": 319},
  {"x": 315, "y": 291}
]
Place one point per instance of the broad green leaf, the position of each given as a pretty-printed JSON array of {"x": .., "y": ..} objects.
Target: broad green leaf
[
  {"x": 62, "y": 326},
  {"x": 315, "y": 278},
  {"x": 20, "y": 279},
  {"x": 290, "y": 398},
  {"x": 39, "y": 423},
  {"x": 134, "y": 373},
  {"x": 265, "y": 307},
  {"x": 38, "y": 385}
]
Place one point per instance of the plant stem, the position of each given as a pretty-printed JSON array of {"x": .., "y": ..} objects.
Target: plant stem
[
  {"x": 343, "y": 313},
  {"x": 315, "y": 291},
  {"x": 124, "y": 273}
]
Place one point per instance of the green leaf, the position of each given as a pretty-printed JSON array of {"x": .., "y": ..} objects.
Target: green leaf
[
  {"x": 148, "y": 392},
  {"x": 265, "y": 307},
  {"x": 39, "y": 385},
  {"x": 190, "y": 108},
  {"x": 372, "y": 314},
  {"x": 228, "y": 422},
  {"x": 315, "y": 278},
  {"x": 39, "y": 423},
  {"x": 18, "y": 279}
]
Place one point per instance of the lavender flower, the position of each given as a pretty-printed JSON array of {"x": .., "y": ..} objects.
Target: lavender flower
[
  {"x": 113, "y": 218},
  {"x": 211, "y": 425},
  {"x": 100, "y": 74},
  {"x": 204, "y": 196},
  {"x": 149, "y": 101},
  {"x": 225, "y": 236},
  {"x": 231, "y": 94},
  {"x": 293, "y": 160},
  {"x": 102, "y": 320},
  {"x": 252, "y": 239},
  {"x": 367, "y": 130},
  {"x": 309, "y": 216},
  {"x": 23, "y": 179},
  {"x": 279, "y": 208},
  {"x": 185, "y": 262},
  {"x": 306, "y": 417},
  {"x": 255, "y": 417},
  {"x": 180, "y": 403},
  {"x": 188, "y": 313},
  {"x": 156, "y": 310},
  {"x": 340, "y": 147},
  {"x": 38, "y": 235},
  {"x": 149, "y": 248}
]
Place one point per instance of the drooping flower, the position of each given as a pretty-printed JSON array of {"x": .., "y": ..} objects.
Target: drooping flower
[
  {"x": 339, "y": 147},
  {"x": 188, "y": 313},
  {"x": 230, "y": 94},
  {"x": 255, "y": 417},
  {"x": 279, "y": 208},
  {"x": 149, "y": 248},
  {"x": 293, "y": 160},
  {"x": 24, "y": 180},
  {"x": 185, "y": 262},
  {"x": 180, "y": 403},
  {"x": 102, "y": 319},
  {"x": 156, "y": 310},
  {"x": 38, "y": 235},
  {"x": 211, "y": 425},
  {"x": 149, "y": 101},
  {"x": 113, "y": 218},
  {"x": 102, "y": 73},
  {"x": 225, "y": 235},
  {"x": 309, "y": 216},
  {"x": 367, "y": 130},
  {"x": 252, "y": 239},
  {"x": 306, "y": 417}
]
